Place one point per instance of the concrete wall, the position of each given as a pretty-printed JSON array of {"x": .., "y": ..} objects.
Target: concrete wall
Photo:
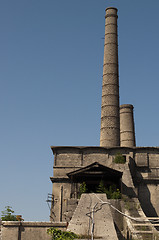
[
  {"x": 117, "y": 217},
  {"x": 147, "y": 169},
  {"x": 68, "y": 159},
  {"x": 140, "y": 175},
  {"x": 28, "y": 230},
  {"x": 81, "y": 223}
]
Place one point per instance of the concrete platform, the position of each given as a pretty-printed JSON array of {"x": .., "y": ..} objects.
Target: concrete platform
[{"x": 103, "y": 222}]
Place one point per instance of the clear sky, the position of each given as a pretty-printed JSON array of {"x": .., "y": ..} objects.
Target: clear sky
[{"x": 51, "y": 56}]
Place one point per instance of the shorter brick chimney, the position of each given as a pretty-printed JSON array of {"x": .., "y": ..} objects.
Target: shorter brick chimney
[{"x": 127, "y": 129}]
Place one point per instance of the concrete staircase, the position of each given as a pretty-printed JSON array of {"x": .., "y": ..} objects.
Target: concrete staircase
[
  {"x": 81, "y": 222},
  {"x": 147, "y": 230},
  {"x": 141, "y": 228}
]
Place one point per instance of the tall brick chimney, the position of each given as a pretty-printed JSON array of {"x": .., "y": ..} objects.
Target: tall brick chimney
[{"x": 110, "y": 119}]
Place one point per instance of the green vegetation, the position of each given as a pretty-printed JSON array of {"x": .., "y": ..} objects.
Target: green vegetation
[
  {"x": 101, "y": 188},
  {"x": 82, "y": 189},
  {"x": 7, "y": 214},
  {"x": 112, "y": 192},
  {"x": 57, "y": 234},
  {"x": 119, "y": 158}
]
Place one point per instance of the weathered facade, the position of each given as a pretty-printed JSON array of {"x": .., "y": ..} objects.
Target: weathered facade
[
  {"x": 110, "y": 119},
  {"x": 140, "y": 175},
  {"x": 137, "y": 178},
  {"x": 27, "y": 230}
]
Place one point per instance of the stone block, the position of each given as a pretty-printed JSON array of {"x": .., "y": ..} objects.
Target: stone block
[
  {"x": 141, "y": 159},
  {"x": 153, "y": 160}
]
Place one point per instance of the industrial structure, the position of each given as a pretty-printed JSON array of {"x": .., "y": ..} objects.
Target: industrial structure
[
  {"x": 137, "y": 178},
  {"x": 108, "y": 191}
]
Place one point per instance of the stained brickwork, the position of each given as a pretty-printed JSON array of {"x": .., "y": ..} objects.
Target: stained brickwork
[
  {"x": 127, "y": 129},
  {"x": 140, "y": 172},
  {"x": 110, "y": 122}
]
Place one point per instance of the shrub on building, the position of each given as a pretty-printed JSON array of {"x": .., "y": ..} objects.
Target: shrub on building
[
  {"x": 112, "y": 192},
  {"x": 61, "y": 235},
  {"x": 119, "y": 158},
  {"x": 7, "y": 214},
  {"x": 82, "y": 189}
]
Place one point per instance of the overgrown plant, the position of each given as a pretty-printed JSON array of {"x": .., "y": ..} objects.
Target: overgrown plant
[
  {"x": 111, "y": 192},
  {"x": 101, "y": 188},
  {"x": 7, "y": 214},
  {"x": 82, "y": 188},
  {"x": 119, "y": 158},
  {"x": 116, "y": 194},
  {"x": 57, "y": 234}
]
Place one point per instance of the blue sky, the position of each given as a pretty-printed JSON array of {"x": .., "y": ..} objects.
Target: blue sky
[{"x": 51, "y": 56}]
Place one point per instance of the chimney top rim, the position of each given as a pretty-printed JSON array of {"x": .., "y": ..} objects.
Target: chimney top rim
[
  {"x": 126, "y": 106},
  {"x": 111, "y": 8}
]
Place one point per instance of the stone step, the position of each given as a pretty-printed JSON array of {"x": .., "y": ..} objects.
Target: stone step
[{"x": 143, "y": 232}]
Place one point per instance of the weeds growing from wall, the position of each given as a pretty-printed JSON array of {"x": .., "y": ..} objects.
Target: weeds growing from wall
[{"x": 119, "y": 158}]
